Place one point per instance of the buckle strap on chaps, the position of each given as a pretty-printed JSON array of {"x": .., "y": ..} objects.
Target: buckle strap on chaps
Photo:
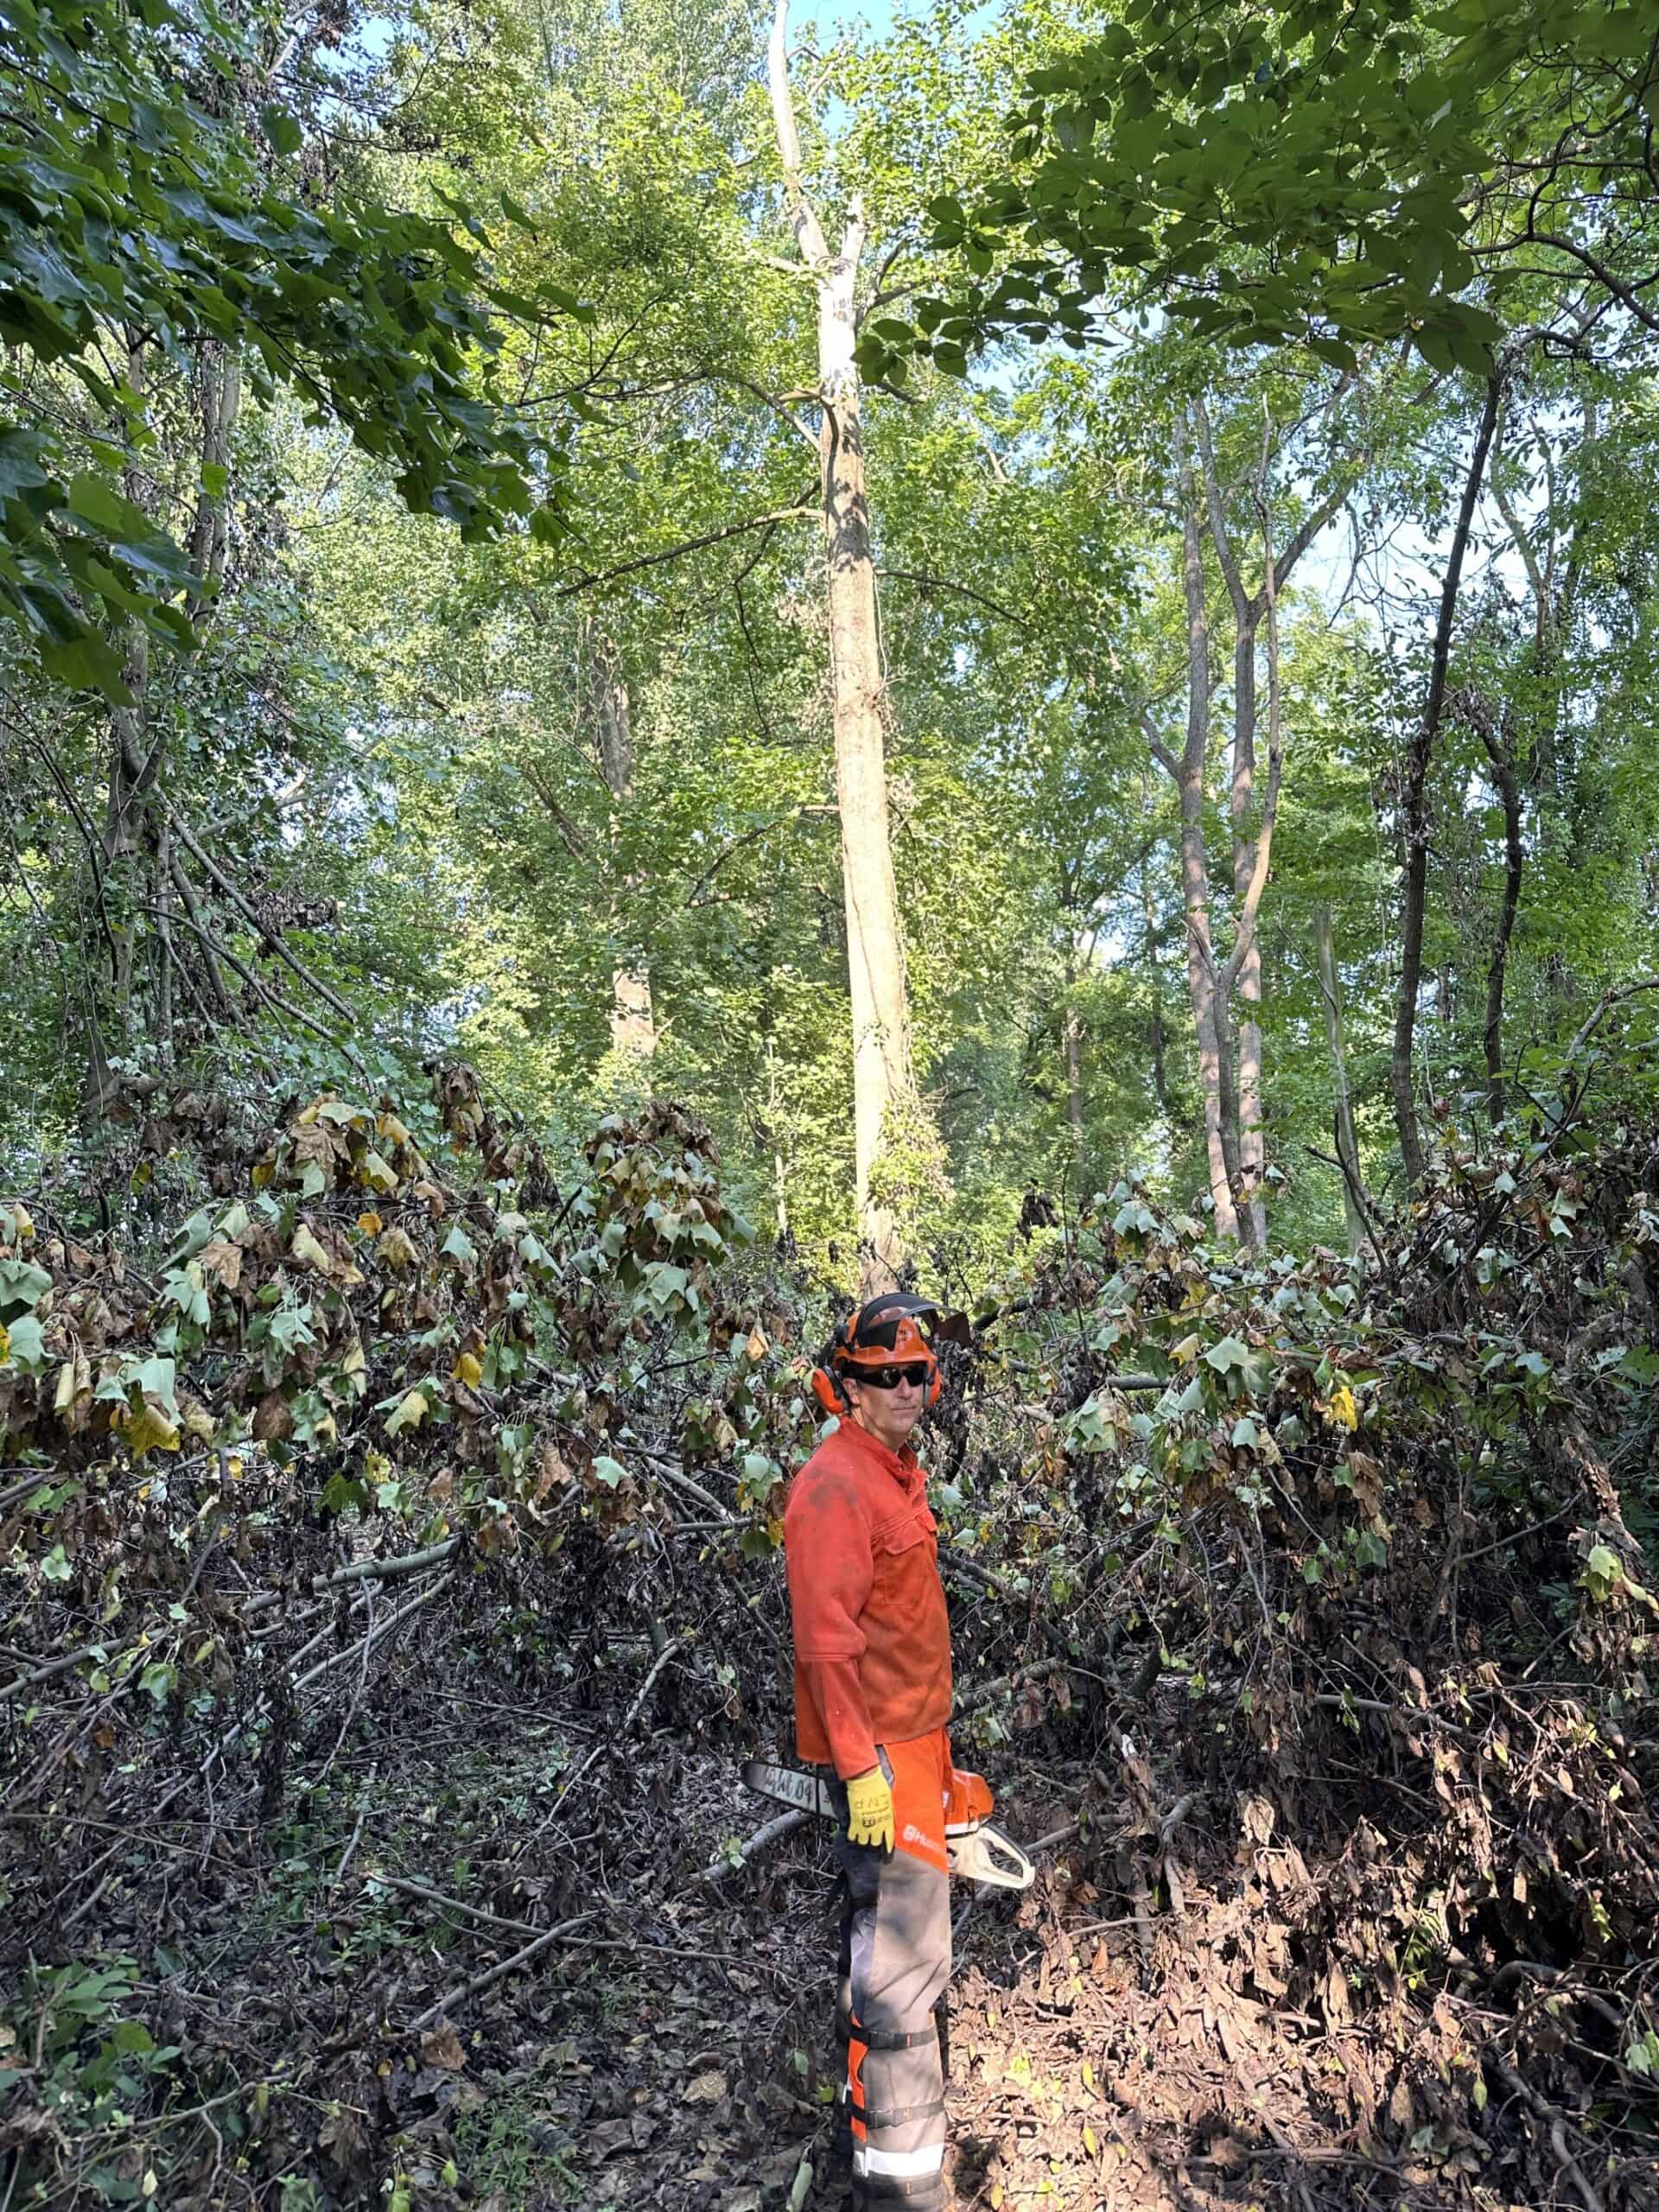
[
  {"x": 896, "y": 2038},
  {"x": 897, "y": 2115},
  {"x": 926, "y": 2193}
]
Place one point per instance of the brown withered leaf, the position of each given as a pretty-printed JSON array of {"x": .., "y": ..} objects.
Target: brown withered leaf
[
  {"x": 441, "y": 2046},
  {"x": 221, "y": 1258},
  {"x": 273, "y": 1418}
]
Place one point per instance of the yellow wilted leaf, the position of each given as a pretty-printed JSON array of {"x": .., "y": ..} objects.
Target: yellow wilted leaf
[
  {"x": 1089, "y": 2142},
  {"x": 369, "y": 1224},
  {"x": 198, "y": 1421},
  {"x": 264, "y": 1171},
  {"x": 5, "y": 1341},
  {"x": 377, "y": 1174},
  {"x": 756, "y": 1346},
  {"x": 391, "y": 1127},
  {"x": 1188, "y": 1348},
  {"x": 469, "y": 1369},
  {"x": 149, "y": 1430},
  {"x": 64, "y": 1396},
  {"x": 409, "y": 1413},
  {"x": 1341, "y": 1409},
  {"x": 233, "y": 1466},
  {"x": 396, "y": 1248},
  {"x": 306, "y": 1252},
  {"x": 21, "y": 1227}
]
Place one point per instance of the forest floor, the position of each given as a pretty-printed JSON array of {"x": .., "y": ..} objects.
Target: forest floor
[
  {"x": 372, "y": 1827},
  {"x": 671, "y": 2047}
]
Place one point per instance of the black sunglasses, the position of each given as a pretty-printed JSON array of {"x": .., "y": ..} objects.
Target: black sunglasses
[{"x": 889, "y": 1378}]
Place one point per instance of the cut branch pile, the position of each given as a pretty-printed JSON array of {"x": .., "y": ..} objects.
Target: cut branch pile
[{"x": 351, "y": 1742}]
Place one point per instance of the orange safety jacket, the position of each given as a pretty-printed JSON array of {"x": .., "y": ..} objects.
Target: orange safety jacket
[{"x": 872, "y": 1638}]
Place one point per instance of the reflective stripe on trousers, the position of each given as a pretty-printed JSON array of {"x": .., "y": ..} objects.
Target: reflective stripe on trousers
[{"x": 895, "y": 1963}]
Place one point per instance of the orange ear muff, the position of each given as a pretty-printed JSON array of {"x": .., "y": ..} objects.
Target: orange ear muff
[
  {"x": 936, "y": 1383},
  {"x": 828, "y": 1392}
]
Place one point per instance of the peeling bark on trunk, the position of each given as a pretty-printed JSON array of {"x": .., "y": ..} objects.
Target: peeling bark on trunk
[{"x": 882, "y": 1082}]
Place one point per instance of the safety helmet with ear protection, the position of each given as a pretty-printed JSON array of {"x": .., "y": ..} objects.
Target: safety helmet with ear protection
[{"x": 891, "y": 1330}]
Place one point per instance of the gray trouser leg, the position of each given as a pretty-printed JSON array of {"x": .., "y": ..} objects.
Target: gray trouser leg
[{"x": 899, "y": 1962}]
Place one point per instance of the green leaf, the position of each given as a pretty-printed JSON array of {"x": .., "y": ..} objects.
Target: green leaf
[{"x": 281, "y": 128}]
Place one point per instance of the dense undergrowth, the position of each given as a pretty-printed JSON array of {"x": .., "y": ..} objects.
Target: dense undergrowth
[{"x": 390, "y": 1587}]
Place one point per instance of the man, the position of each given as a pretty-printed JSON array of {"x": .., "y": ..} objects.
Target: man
[{"x": 873, "y": 1702}]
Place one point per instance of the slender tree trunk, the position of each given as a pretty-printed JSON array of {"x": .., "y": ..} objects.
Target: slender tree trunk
[
  {"x": 633, "y": 1025},
  {"x": 220, "y": 386},
  {"x": 1253, "y": 832},
  {"x": 131, "y": 839},
  {"x": 1500, "y": 753},
  {"x": 1347, "y": 1146},
  {"x": 1073, "y": 1030},
  {"x": 882, "y": 1084},
  {"x": 1202, "y": 979},
  {"x": 1252, "y": 1148},
  {"x": 1415, "y": 808},
  {"x": 1156, "y": 1040}
]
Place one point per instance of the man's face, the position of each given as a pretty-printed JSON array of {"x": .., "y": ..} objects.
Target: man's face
[{"x": 889, "y": 1415}]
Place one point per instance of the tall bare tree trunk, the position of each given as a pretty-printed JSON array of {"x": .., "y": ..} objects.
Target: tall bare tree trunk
[
  {"x": 882, "y": 1082},
  {"x": 1416, "y": 810},
  {"x": 131, "y": 839},
  {"x": 1252, "y": 1146},
  {"x": 1209, "y": 1015},
  {"x": 1347, "y": 1146},
  {"x": 1500, "y": 750},
  {"x": 1252, "y": 832}
]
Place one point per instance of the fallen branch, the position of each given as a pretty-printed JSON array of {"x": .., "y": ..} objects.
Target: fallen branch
[
  {"x": 267, "y": 937},
  {"x": 492, "y": 1975},
  {"x": 759, "y": 1842},
  {"x": 401, "y": 1883},
  {"x": 1556, "y": 2123},
  {"x": 14, "y": 1491},
  {"x": 361, "y": 1570},
  {"x": 362, "y": 1815}
]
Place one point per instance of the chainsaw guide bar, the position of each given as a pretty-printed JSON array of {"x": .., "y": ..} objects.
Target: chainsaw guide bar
[{"x": 980, "y": 1853}]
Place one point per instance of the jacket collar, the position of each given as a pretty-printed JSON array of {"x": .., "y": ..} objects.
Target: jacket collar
[{"x": 903, "y": 1466}]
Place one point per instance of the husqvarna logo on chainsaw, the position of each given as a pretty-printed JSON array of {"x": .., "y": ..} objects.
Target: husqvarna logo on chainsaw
[{"x": 913, "y": 1834}]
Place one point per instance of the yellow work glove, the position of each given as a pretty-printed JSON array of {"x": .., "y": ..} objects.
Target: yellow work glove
[{"x": 869, "y": 1803}]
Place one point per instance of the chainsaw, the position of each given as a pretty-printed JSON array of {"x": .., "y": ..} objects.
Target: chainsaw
[{"x": 975, "y": 1850}]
